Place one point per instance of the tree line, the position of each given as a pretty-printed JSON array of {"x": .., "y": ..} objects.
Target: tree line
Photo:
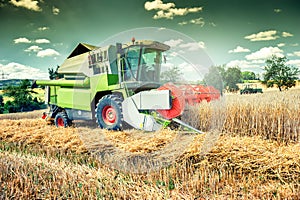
[
  {"x": 277, "y": 73},
  {"x": 20, "y": 99}
]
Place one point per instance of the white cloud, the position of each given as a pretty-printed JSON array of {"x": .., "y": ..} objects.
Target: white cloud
[
  {"x": 27, "y": 41},
  {"x": 158, "y": 5},
  {"x": 162, "y": 14},
  {"x": 297, "y": 53},
  {"x": 238, "y": 63},
  {"x": 190, "y": 71},
  {"x": 183, "y": 23},
  {"x": 281, "y": 45},
  {"x": 199, "y": 21},
  {"x": 43, "y": 28},
  {"x": 174, "y": 54},
  {"x": 173, "y": 43},
  {"x": 265, "y": 53},
  {"x": 294, "y": 62},
  {"x": 172, "y": 12},
  {"x": 58, "y": 44},
  {"x": 286, "y": 34},
  {"x": 47, "y": 53},
  {"x": 195, "y": 9},
  {"x": 212, "y": 24},
  {"x": 19, "y": 71},
  {"x": 258, "y": 61},
  {"x": 42, "y": 41},
  {"x": 28, "y": 4},
  {"x": 263, "y": 36},
  {"x": 178, "y": 11},
  {"x": 295, "y": 45},
  {"x": 243, "y": 64},
  {"x": 33, "y": 48},
  {"x": 167, "y": 66},
  {"x": 277, "y": 10},
  {"x": 239, "y": 49},
  {"x": 202, "y": 44},
  {"x": 21, "y": 40},
  {"x": 193, "y": 46},
  {"x": 168, "y": 10},
  {"x": 186, "y": 67},
  {"x": 55, "y": 10}
]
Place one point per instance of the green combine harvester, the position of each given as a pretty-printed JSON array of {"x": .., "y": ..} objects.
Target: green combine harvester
[{"x": 116, "y": 85}]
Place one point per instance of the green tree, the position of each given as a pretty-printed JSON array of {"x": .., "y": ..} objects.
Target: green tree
[
  {"x": 22, "y": 97},
  {"x": 220, "y": 77},
  {"x": 279, "y": 73},
  {"x": 53, "y": 74},
  {"x": 247, "y": 75},
  {"x": 1, "y": 104},
  {"x": 233, "y": 75},
  {"x": 214, "y": 77},
  {"x": 10, "y": 107},
  {"x": 1, "y": 100},
  {"x": 174, "y": 74}
]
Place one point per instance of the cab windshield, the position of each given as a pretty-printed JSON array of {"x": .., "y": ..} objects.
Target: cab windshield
[{"x": 142, "y": 64}]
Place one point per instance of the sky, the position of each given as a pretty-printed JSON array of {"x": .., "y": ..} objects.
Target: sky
[{"x": 38, "y": 34}]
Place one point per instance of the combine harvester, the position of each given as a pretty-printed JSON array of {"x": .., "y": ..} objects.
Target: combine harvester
[{"x": 118, "y": 85}]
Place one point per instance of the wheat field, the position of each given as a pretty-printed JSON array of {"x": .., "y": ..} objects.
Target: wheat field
[
  {"x": 253, "y": 154},
  {"x": 273, "y": 115}
]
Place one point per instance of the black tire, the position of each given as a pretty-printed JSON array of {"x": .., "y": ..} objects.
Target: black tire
[
  {"x": 62, "y": 120},
  {"x": 109, "y": 112}
]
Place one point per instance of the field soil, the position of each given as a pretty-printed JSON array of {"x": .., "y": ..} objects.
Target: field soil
[{"x": 42, "y": 161}]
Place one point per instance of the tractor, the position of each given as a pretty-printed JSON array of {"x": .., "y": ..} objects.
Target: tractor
[
  {"x": 115, "y": 85},
  {"x": 250, "y": 89}
]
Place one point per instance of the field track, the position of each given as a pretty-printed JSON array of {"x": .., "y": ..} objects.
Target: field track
[{"x": 66, "y": 163}]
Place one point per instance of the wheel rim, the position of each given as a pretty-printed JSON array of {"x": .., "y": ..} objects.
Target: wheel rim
[
  {"x": 109, "y": 115},
  {"x": 60, "y": 122}
]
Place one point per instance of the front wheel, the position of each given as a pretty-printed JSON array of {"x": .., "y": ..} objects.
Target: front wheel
[
  {"x": 62, "y": 120},
  {"x": 109, "y": 113}
]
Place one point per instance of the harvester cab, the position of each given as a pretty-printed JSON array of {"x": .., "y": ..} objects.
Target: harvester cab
[
  {"x": 115, "y": 85},
  {"x": 140, "y": 63}
]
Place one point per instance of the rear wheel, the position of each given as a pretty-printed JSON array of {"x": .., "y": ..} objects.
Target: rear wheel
[
  {"x": 62, "y": 120},
  {"x": 109, "y": 112}
]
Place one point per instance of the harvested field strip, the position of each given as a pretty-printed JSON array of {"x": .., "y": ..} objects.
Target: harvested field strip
[
  {"x": 252, "y": 155},
  {"x": 36, "y": 131},
  {"x": 31, "y": 177},
  {"x": 236, "y": 167},
  {"x": 213, "y": 176}
]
